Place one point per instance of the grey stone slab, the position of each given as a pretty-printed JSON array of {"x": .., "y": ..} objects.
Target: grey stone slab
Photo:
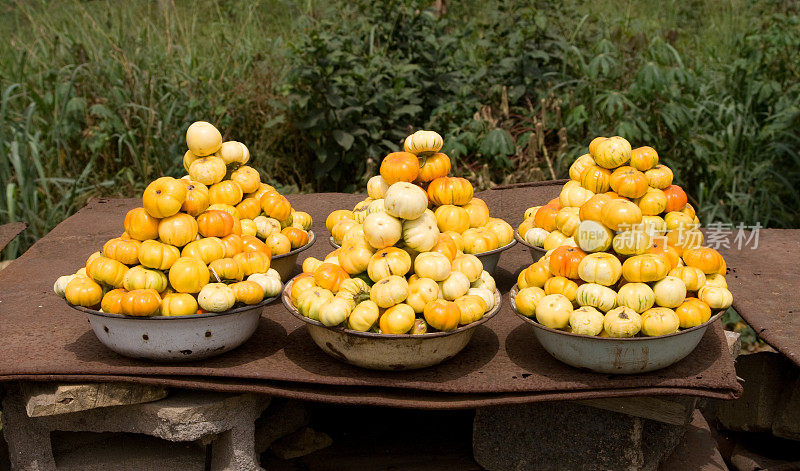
[
  {"x": 697, "y": 450},
  {"x": 226, "y": 421},
  {"x": 280, "y": 419},
  {"x": 129, "y": 452},
  {"x": 300, "y": 443},
  {"x": 786, "y": 423},
  {"x": 734, "y": 340},
  {"x": 766, "y": 377},
  {"x": 562, "y": 435},
  {"x": 675, "y": 410},
  {"x": 52, "y": 398}
]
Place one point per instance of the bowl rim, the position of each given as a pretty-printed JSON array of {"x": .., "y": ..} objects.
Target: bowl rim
[
  {"x": 372, "y": 335},
  {"x": 514, "y": 290},
  {"x": 311, "y": 239},
  {"x": 522, "y": 241},
  {"x": 205, "y": 315},
  {"x": 490, "y": 252}
]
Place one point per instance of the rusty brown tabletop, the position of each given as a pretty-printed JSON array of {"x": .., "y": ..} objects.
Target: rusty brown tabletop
[
  {"x": 46, "y": 340},
  {"x": 764, "y": 276},
  {"x": 9, "y": 231}
]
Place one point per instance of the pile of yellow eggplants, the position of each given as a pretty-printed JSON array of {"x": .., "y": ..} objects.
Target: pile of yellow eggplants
[
  {"x": 201, "y": 243},
  {"x": 406, "y": 263},
  {"x": 625, "y": 255}
]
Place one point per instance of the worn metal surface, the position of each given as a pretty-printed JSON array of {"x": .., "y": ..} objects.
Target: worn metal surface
[
  {"x": 175, "y": 338},
  {"x": 389, "y": 352},
  {"x": 765, "y": 282},
  {"x": 397, "y": 355},
  {"x": 491, "y": 258},
  {"x": 377, "y": 396},
  {"x": 617, "y": 356},
  {"x": 284, "y": 264},
  {"x": 9, "y": 231},
  {"x": 44, "y": 339}
]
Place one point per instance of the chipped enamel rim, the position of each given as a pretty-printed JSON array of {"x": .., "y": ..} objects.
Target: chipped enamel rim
[
  {"x": 513, "y": 293},
  {"x": 237, "y": 310}
]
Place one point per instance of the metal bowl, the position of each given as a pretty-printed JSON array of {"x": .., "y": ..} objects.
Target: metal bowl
[
  {"x": 617, "y": 355},
  {"x": 536, "y": 252},
  {"x": 488, "y": 259},
  {"x": 284, "y": 264},
  {"x": 175, "y": 338},
  {"x": 333, "y": 243},
  {"x": 386, "y": 351},
  {"x": 491, "y": 258}
]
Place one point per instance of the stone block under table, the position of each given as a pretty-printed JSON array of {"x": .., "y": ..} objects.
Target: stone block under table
[{"x": 225, "y": 421}]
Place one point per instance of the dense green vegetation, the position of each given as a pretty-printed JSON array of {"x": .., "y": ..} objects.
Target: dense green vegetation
[{"x": 96, "y": 95}]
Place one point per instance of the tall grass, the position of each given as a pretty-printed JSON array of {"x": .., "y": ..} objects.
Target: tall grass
[
  {"x": 706, "y": 27},
  {"x": 97, "y": 95}
]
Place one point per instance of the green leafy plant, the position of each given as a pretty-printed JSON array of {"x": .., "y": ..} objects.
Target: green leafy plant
[{"x": 357, "y": 87}]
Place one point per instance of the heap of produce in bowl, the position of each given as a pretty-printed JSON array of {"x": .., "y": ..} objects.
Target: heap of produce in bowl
[
  {"x": 402, "y": 267},
  {"x": 456, "y": 212},
  {"x": 624, "y": 255},
  {"x": 201, "y": 243}
]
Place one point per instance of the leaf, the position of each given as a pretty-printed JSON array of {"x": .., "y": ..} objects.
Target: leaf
[
  {"x": 456, "y": 149},
  {"x": 334, "y": 100},
  {"x": 322, "y": 155},
  {"x": 76, "y": 105},
  {"x": 276, "y": 120},
  {"x": 100, "y": 111},
  {"x": 344, "y": 139},
  {"x": 408, "y": 110},
  {"x": 498, "y": 142}
]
